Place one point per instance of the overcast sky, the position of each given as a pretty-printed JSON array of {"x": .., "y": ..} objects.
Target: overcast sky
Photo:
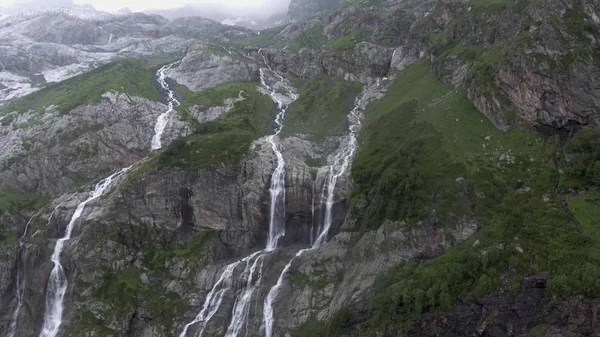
[{"x": 139, "y": 5}]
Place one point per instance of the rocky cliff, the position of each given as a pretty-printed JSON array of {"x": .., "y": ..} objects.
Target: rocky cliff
[{"x": 440, "y": 173}]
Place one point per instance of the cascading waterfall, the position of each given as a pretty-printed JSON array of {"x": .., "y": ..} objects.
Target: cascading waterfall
[
  {"x": 215, "y": 296},
  {"x": 172, "y": 103},
  {"x": 241, "y": 307},
  {"x": 277, "y": 209},
  {"x": 339, "y": 167},
  {"x": 252, "y": 273},
  {"x": 277, "y": 190},
  {"x": 58, "y": 283}
]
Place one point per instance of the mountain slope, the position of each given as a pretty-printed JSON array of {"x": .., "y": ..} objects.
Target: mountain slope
[{"x": 433, "y": 165}]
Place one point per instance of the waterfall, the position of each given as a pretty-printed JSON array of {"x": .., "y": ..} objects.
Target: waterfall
[
  {"x": 57, "y": 283},
  {"x": 172, "y": 103},
  {"x": 277, "y": 209},
  {"x": 252, "y": 273},
  {"x": 241, "y": 307},
  {"x": 339, "y": 167},
  {"x": 20, "y": 288},
  {"x": 277, "y": 190},
  {"x": 272, "y": 295},
  {"x": 215, "y": 297}
]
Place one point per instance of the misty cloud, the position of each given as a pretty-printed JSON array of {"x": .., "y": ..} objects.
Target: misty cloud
[{"x": 232, "y": 11}]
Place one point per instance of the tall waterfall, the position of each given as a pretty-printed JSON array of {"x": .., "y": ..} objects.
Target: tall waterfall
[
  {"x": 339, "y": 167},
  {"x": 172, "y": 103},
  {"x": 277, "y": 209},
  {"x": 58, "y": 283},
  {"x": 251, "y": 276}
]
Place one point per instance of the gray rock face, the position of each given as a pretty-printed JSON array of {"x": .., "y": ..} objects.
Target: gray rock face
[
  {"x": 541, "y": 79},
  {"x": 54, "y": 153},
  {"x": 302, "y": 9},
  {"x": 201, "y": 69},
  {"x": 365, "y": 63},
  {"x": 343, "y": 271}
]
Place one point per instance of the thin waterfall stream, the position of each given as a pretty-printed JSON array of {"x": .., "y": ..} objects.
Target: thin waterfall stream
[
  {"x": 172, "y": 103},
  {"x": 251, "y": 276},
  {"x": 20, "y": 288},
  {"x": 57, "y": 282}
]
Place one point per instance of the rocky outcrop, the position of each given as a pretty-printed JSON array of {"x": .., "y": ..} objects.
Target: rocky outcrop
[
  {"x": 542, "y": 70},
  {"x": 302, "y": 9},
  {"x": 365, "y": 63},
  {"x": 342, "y": 273},
  {"x": 203, "y": 68},
  {"x": 52, "y": 153}
]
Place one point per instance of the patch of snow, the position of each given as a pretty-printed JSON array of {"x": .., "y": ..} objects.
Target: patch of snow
[
  {"x": 63, "y": 73},
  {"x": 232, "y": 22},
  {"x": 14, "y": 86}
]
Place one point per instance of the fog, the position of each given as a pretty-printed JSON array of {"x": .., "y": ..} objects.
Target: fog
[{"x": 171, "y": 8}]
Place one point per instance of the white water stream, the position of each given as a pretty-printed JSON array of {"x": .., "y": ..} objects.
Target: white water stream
[
  {"x": 58, "y": 283},
  {"x": 215, "y": 296},
  {"x": 20, "y": 288},
  {"x": 172, "y": 103}
]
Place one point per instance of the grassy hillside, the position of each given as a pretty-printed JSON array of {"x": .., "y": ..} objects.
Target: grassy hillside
[
  {"x": 424, "y": 148},
  {"x": 322, "y": 107},
  {"x": 134, "y": 77},
  {"x": 224, "y": 140}
]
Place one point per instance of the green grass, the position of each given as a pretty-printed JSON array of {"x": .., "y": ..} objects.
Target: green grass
[
  {"x": 214, "y": 49},
  {"x": 425, "y": 147},
  {"x": 9, "y": 239},
  {"x": 211, "y": 97},
  {"x": 123, "y": 291},
  {"x": 312, "y": 38},
  {"x": 224, "y": 140},
  {"x": 15, "y": 202},
  {"x": 582, "y": 167},
  {"x": 133, "y": 77},
  {"x": 322, "y": 107},
  {"x": 347, "y": 42},
  {"x": 195, "y": 248}
]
